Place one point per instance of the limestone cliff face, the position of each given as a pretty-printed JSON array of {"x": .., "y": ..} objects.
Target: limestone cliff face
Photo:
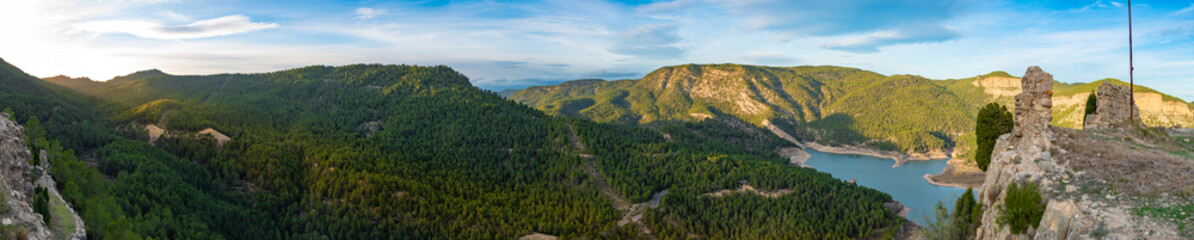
[
  {"x": 739, "y": 90},
  {"x": 16, "y": 181},
  {"x": 998, "y": 86},
  {"x": 1155, "y": 109}
]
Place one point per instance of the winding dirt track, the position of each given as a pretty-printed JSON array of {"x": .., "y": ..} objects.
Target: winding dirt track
[
  {"x": 213, "y": 92},
  {"x": 163, "y": 120},
  {"x": 631, "y": 212}
]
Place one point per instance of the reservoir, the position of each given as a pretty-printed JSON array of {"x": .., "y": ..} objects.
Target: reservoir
[{"x": 905, "y": 183}]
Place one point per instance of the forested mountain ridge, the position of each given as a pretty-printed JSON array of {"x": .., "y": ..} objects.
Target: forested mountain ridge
[
  {"x": 832, "y": 105},
  {"x": 385, "y": 151},
  {"x": 824, "y": 104}
]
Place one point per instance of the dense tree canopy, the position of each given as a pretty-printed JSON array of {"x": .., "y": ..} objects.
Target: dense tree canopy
[{"x": 402, "y": 152}]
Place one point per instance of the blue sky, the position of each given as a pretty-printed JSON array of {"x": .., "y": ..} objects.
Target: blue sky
[{"x": 514, "y": 44}]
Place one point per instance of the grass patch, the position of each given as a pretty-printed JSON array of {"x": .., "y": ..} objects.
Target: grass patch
[
  {"x": 13, "y": 232},
  {"x": 63, "y": 224},
  {"x": 1181, "y": 215},
  {"x": 4, "y": 208},
  {"x": 1187, "y": 143}
]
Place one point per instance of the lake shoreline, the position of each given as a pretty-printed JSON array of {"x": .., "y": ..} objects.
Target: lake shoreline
[
  {"x": 958, "y": 174},
  {"x": 905, "y": 184},
  {"x": 899, "y": 158}
]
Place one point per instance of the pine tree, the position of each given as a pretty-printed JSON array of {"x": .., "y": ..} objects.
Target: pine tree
[{"x": 993, "y": 120}]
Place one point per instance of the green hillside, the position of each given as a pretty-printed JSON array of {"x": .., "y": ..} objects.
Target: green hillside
[
  {"x": 408, "y": 152},
  {"x": 829, "y": 105}
]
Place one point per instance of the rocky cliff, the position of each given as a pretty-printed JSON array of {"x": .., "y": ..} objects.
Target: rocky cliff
[
  {"x": 17, "y": 181},
  {"x": 1098, "y": 184}
]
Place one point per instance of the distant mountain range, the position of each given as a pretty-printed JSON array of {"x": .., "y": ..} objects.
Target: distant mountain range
[{"x": 835, "y": 106}]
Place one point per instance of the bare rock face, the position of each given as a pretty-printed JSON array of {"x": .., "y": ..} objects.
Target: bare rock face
[
  {"x": 1034, "y": 105},
  {"x": 1047, "y": 156},
  {"x": 1115, "y": 108},
  {"x": 1022, "y": 155},
  {"x": 16, "y": 181}
]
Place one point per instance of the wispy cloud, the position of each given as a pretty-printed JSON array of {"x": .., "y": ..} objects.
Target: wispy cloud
[
  {"x": 509, "y": 64},
  {"x": 870, "y": 43},
  {"x": 1185, "y": 10},
  {"x": 369, "y": 13},
  {"x": 649, "y": 41},
  {"x": 609, "y": 74},
  {"x": 1097, "y": 5},
  {"x": 889, "y": 22},
  {"x": 508, "y": 44},
  {"x": 227, "y": 25}
]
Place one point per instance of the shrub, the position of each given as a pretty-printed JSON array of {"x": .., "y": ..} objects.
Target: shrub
[
  {"x": 968, "y": 214},
  {"x": 993, "y": 120},
  {"x": 35, "y": 158},
  {"x": 1092, "y": 104},
  {"x": 41, "y": 203},
  {"x": 3, "y": 201},
  {"x": 962, "y": 223},
  {"x": 1022, "y": 207}
]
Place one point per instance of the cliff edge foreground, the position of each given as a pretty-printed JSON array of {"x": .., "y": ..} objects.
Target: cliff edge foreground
[{"x": 1117, "y": 180}]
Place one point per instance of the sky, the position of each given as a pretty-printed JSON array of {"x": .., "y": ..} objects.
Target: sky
[{"x": 515, "y": 44}]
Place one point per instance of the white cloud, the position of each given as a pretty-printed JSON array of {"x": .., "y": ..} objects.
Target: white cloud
[
  {"x": 870, "y": 43},
  {"x": 1185, "y": 10},
  {"x": 650, "y": 41},
  {"x": 173, "y": 16},
  {"x": 1098, "y": 4},
  {"x": 369, "y": 13},
  {"x": 227, "y": 25}
]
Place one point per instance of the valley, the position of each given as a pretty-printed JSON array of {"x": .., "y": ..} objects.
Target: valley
[
  {"x": 596, "y": 120},
  {"x": 370, "y": 127},
  {"x": 362, "y": 151}
]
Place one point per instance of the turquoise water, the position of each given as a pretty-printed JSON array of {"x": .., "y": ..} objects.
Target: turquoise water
[{"x": 905, "y": 183}]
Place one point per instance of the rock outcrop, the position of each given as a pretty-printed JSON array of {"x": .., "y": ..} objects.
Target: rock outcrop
[
  {"x": 1114, "y": 108},
  {"x": 1021, "y": 155},
  {"x": 1081, "y": 175},
  {"x": 16, "y": 180}
]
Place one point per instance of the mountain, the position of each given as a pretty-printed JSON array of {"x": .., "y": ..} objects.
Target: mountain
[
  {"x": 396, "y": 151},
  {"x": 834, "y": 106},
  {"x": 508, "y": 92}
]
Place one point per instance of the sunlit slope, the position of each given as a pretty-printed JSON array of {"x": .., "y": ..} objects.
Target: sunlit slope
[
  {"x": 386, "y": 150},
  {"x": 830, "y": 105},
  {"x": 833, "y": 105}
]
